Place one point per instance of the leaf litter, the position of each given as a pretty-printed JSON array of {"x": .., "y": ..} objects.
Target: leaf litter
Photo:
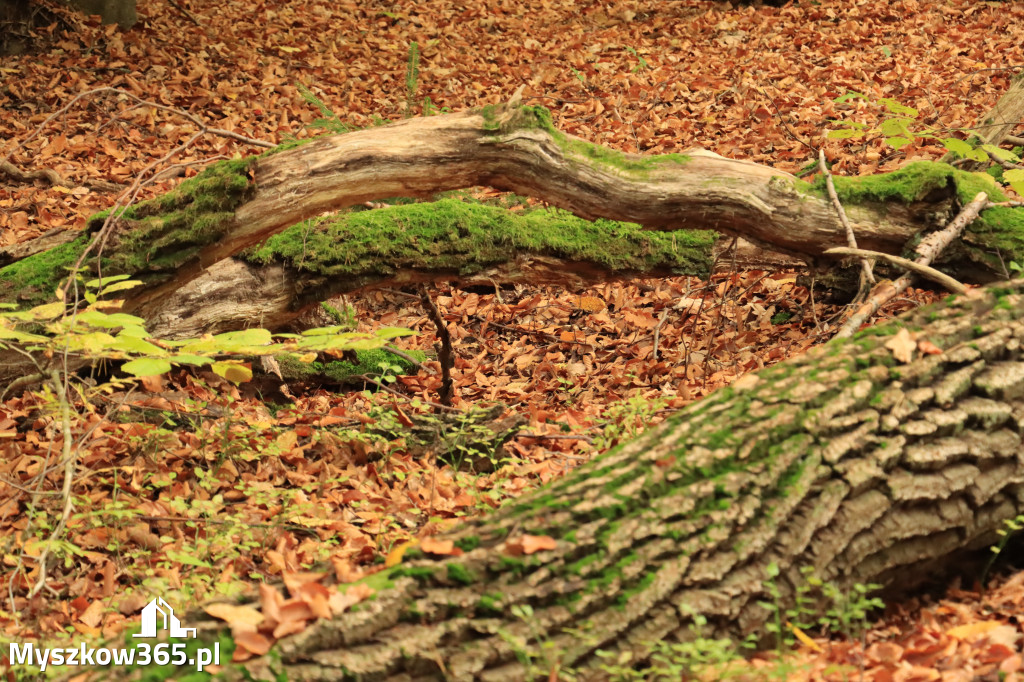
[{"x": 219, "y": 490}]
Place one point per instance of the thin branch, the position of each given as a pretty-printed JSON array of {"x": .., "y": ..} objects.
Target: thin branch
[
  {"x": 657, "y": 333},
  {"x": 184, "y": 11},
  {"x": 381, "y": 385},
  {"x": 851, "y": 239},
  {"x": 70, "y": 460},
  {"x": 445, "y": 354},
  {"x": 929, "y": 248},
  {"x": 405, "y": 356},
  {"x": 923, "y": 270}
]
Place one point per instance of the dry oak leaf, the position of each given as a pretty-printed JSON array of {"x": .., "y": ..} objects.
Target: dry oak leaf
[
  {"x": 993, "y": 630},
  {"x": 529, "y": 544},
  {"x": 902, "y": 346},
  {"x": 241, "y": 618},
  {"x": 928, "y": 348},
  {"x": 432, "y": 545},
  {"x": 249, "y": 644},
  {"x": 340, "y": 601}
]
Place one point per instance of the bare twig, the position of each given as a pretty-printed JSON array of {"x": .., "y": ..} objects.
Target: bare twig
[
  {"x": 555, "y": 436},
  {"x": 851, "y": 239},
  {"x": 70, "y": 460},
  {"x": 405, "y": 356},
  {"x": 930, "y": 247},
  {"x": 923, "y": 270},
  {"x": 782, "y": 120},
  {"x": 445, "y": 354},
  {"x": 381, "y": 385},
  {"x": 184, "y": 11},
  {"x": 657, "y": 332}
]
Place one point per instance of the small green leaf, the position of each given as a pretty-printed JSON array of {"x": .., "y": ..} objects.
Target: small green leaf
[
  {"x": 977, "y": 155},
  {"x": 848, "y": 96},
  {"x": 95, "y": 318},
  {"x": 235, "y": 372},
  {"x": 120, "y": 286},
  {"x": 1016, "y": 179},
  {"x": 97, "y": 283},
  {"x": 147, "y": 367},
  {"x": 393, "y": 332},
  {"x": 186, "y": 558},
  {"x": 132, "y": 344},
  {"x": 897, "y": 108},
  {"x": 844, "y": 134},
  {"x": 956, "y": 146},
  {"x": 1000, "y": 154},
  {"x": 897, "y": 142},
  {"x": 896, "y": 127},
  {"x": 190, "y": 360},
  {"x": 48, "y": 311}
]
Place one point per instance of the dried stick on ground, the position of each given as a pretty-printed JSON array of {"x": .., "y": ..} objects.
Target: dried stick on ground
[
  {"x": 445, "y": 354},
  {"x": 930, "y": 247},
  {"x": 923, "y": 270},
  {"x": 851, "y": 240}
]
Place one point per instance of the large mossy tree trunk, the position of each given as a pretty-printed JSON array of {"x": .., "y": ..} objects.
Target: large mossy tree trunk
[{"x": 846, "y": 461}]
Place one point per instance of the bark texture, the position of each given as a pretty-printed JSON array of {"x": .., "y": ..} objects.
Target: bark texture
[{"x": 846, "y": 461}]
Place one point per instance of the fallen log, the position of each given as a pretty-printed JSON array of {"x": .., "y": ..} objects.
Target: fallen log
[
  {"x": 234, "y": 205},
  {"x": 870, "y": 460}
]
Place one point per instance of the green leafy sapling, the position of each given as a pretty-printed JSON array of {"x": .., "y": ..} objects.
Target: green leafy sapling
[
  {"x": 98, "y": 331},
  {"x": 902, "y": 127}
]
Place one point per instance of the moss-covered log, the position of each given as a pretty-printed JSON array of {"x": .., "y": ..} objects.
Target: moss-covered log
[
  {"x": 846, "y": 461},
  {"x": 446, "y": 239},
  {"x": 235, "y": 205}
]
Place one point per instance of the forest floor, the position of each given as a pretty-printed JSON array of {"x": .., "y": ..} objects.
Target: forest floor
[{"x": 217, "y": 488}]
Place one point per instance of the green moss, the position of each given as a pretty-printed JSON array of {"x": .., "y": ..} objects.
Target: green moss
[
  {"x": 527, "y": 117},
  {"x": 460, "y": 574},
  {"x": 998, "y": 230},
  {"x": 367, "y": 363},
  {"x": 465, "y": 238},
  {"x": 169, "y": 230},
  {"x": 911, "y": 183},
  {"x": 468, "y": 544},
  {"x": 577, "y": 567},
  {"x": 35, "y": 279},
  {"x": 490, "y": 604},
  {"x": 512, "y": 564},
  {"x": 421, "y": 574},
  {"x": 629, "y": 592}
]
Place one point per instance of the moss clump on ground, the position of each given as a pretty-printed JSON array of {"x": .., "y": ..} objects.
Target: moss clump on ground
[
  {"x": 456, "y": 236},
  {"x": 366, "y": 363}
]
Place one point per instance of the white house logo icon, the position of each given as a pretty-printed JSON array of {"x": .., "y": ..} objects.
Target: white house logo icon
[{"x": 171, "y": 623}]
